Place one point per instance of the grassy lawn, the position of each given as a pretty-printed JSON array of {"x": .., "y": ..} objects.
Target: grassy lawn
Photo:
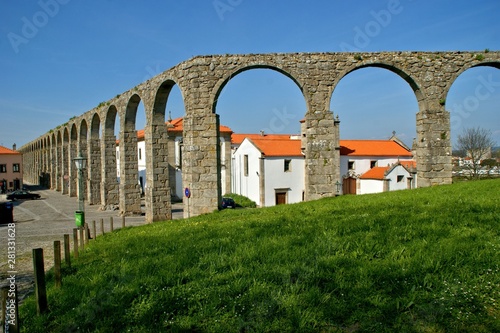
[{"x": 424, "y": 260}]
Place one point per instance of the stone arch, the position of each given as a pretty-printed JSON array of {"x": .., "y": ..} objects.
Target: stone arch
[
  {"x": 494, "y": 64},
  {"x": 224, "y": 81},
  {"x": 109, "y": 185},
  {"x": 130, "y": 193},
  {"x": 94, "y": 160},
  {"x": 158, "y": 156},
  {"x": 412, "y": 82},
  {"x": 73, "y": 152}
]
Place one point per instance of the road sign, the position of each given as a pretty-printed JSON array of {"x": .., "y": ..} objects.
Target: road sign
[{"x": 187, "y": 192}]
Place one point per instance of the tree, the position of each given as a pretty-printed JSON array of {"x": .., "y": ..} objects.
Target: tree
[{"x": 476, "y": 144}]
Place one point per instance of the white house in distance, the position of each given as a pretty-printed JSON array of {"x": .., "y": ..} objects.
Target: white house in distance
[
  {"x": 365, "y": 165},
  {"x": 399, "y": 176},
  {"x": 267, "y": 168}
]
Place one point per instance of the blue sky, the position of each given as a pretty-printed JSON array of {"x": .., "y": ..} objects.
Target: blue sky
[{"x": 60, "y": 58}]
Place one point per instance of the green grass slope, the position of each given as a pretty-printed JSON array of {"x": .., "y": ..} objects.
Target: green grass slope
[{"x": 424, "y": 260}]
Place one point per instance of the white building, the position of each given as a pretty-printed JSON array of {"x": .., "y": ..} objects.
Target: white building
[
  {"x": 399, "y": 176},
  {"x": 358, "y": 157},
  {"x": 268, "y": 169}
]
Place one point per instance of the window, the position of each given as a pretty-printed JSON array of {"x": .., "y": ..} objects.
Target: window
[
  {"x": 373, "y": 164},
  {"x": 288, "y": 166},
  {"x": 16, "y": 167},
  {"x": 3, "y": 168},
  {"x": 350, "y": 165},
  {"x": 140, "y": 154},
  {"x": 245, "y": 165},
  {"x": 400, "y": 178}
]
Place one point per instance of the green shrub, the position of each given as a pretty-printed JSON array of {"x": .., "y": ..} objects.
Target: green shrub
[{"x": 241, "y": 200}]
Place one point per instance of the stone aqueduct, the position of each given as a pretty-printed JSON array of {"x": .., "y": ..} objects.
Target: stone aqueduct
[{"x": 200, "y": 80}]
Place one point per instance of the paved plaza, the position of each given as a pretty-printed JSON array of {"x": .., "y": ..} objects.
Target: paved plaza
[{"x": 38, "y": 223}]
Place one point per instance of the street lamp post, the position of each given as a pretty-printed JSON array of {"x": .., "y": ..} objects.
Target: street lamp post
[
  {"x": 80, "y": 163},
  {"x": 338, "y": 185}
]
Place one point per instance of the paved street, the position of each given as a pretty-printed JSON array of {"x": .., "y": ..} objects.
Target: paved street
[{"x": 38, "y": 223}]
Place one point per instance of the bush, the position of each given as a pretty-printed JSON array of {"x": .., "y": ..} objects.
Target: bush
[{"x": 241, "y": 200}]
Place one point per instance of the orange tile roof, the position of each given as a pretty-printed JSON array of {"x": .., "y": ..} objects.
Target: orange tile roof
[
  {"x": 238, "y": 138},
  {"x": 372, "y": 148},
  {"x": 176, "y": 125},
  {"x": 7, "y": 151},
  {"x": 375, "y": 173},
  {"x": 409, "y": 164},
  {"x": 278, "y": 147}
]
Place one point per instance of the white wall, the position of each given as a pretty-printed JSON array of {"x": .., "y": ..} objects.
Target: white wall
[
  {"x": 247, "y": 185},
  {"x": 277, "y": 178},
  {"x": 367, "y": 186},
  {"x": 362, "y": 163},
  {"x": 393, "y": 178}
]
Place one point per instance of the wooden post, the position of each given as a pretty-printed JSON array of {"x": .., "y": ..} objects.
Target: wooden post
[
  {"x": 57, "y": 263},
  {"x": 123, "y": 221},
  {"x": 10, "y": 312},
  {"x": 102, "y": 227},
  {"x": 39, "y": 272},
  {"x": 111, "y": 224},
  {"x": 75, "y": 242},
  {"x": 93, "y": 229},
  {"x": 81, "y": 238},
  {"x": 67, "y": 256}
]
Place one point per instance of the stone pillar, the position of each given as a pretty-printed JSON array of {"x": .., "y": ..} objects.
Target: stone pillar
[
  {"x": 64, "y": 168},
  {"x": 227, "y": 165},
  {"x": 59, "y": 166},
  {"x": 434, "y": 156},
  {"x": 201, "y": 163},
  {"x": 130, "y": 195},
  {"x": 53, "y": 166},
  {"x": 109, "y": 184},
  {"x": 72, "y": 172},
  {"x": 322, "y": 160},
  {"x": 157, "y": 196},
  {"x": 94, "y": 171},
  {"x": 83, "y": 152}
]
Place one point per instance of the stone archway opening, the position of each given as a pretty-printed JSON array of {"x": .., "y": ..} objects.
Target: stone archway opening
[
  {"x": 472, "y": 100},
  {"x": 373, "y": 103},
  {"x": 260, "y": 103}
]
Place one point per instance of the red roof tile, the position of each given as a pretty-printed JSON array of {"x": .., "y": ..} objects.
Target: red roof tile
[
  {"x": 176, "y": 125},
  {"x": 372, "y": 148},
  {"x": 7, "y": 151},
  {"x": 375, "y": 173},
  {"x": 238, "y": 138},
  {"x": 276, "y": 147}
]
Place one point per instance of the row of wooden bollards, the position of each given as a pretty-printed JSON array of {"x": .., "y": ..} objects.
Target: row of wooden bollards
[{"x": 81, "y": 237}]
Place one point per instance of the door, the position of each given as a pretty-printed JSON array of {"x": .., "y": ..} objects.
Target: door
[
  {"x": 280, "y": 198},
  {"x": 349, "y": 185}
]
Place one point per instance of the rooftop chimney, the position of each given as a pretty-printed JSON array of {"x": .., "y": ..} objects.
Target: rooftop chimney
[{"x": 14, "y": 147}]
